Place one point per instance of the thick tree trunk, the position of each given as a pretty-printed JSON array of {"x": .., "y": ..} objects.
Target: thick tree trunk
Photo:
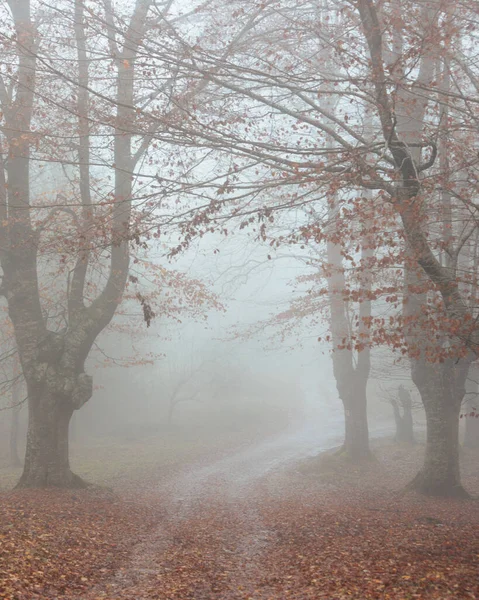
[
  {"x": 47, "y": 458},
  {"x": 73, "y": 429},
  {"x": 440, "y": 474},
  {"x": 356, "y": 434},
  {"x": 442, "y": 389}
]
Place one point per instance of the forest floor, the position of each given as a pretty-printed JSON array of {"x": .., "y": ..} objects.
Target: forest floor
[{"x": 314, "y": 529}]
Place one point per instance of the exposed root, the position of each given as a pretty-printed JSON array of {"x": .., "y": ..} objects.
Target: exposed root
[
  {"x": 68, "y": 481},
  {"x": 355, "y": 458},
  {"x": 440, "y": 489}
]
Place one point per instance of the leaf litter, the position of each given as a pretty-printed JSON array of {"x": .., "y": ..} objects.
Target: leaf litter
[{"x": 292, "y": 535}]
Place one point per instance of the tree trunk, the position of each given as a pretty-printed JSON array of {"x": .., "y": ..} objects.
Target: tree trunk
[
  {"x": 46, "y": 459},
  {"x": 14, "y": 457},
  {"x": 442, "y": 389},
  {"x": 404, "y": 420},
  {"x": 356, "y": 434},
  {"x": 404, "y": 426},
  {"x": 407, "y": 431},
  {"x": 471, "y": 432},
  {"x": 351, "y": 379},
  {"x": 72, "y": 431},
  {"x": 16, "y": 408},
  {"x": 440, "y": 474}
]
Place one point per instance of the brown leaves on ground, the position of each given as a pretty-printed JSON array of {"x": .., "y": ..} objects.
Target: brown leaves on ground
[
  {"x": 56, "y": 543},
  {"x": 294, "y": 536},
  {"x": 371, "y": 546},
  {"x": 363, "y": 547}
]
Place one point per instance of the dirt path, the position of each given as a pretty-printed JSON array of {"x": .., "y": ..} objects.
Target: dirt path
[
  {"x": 213, "y": 539},
  {"x": 237, "y": 529},
  {"x": 242, "y": 527}
]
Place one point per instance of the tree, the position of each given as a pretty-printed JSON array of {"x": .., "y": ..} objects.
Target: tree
[
  {"x": 65, "y": 253},
  {"x": 53, "y": 361},
  {"x": 186, "y": 379},
  {"x": 338, "y": 292},
  {"x": 407, "y": 157},
  {"x": 351, "y": 378}
]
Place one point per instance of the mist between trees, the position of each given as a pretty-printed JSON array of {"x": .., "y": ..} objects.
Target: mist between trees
[{"x": 201, "y": 196}]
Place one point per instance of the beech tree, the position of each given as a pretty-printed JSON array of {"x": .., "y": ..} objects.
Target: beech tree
[
  {"x": 53, "y": 361},
  {"x": 336, "y": 290},
  {"x": 72, "y": 92},
  {"x": 351, "y": 378},
  {"x": 438, "y": 374}
]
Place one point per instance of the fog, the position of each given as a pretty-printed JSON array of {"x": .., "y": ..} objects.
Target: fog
[
  {"x": 219, "y": 373},
  {"x": 231, "y": 381},
  {"x": 206, "y": 376},
  {"x": 239, "y": 299}
]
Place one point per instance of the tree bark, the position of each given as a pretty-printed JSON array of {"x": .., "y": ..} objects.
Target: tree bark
[
  {"x": 14, "y": 457},
  {"x": 471, "y": 432},
  {"x": 442, "y": 388},
  {"x": 47, "y": 457},
  {"x": 16, "y": 408},
  {"x": 351, "y": 379},
  {"x": 56, "y": 387},
  {"x": 356, "y": 431}
]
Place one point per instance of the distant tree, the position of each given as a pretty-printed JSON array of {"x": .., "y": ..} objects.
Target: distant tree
[
  {"x": 470, "y": 410},
  {"x": 185, "y": 384},
  {"x": 402, "y": 406}
]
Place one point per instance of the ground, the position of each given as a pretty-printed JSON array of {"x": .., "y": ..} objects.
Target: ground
[{"x": 221, "y": 527}]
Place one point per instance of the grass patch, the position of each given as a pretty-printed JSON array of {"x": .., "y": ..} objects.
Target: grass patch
[{"x": 112, "y": 461}]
